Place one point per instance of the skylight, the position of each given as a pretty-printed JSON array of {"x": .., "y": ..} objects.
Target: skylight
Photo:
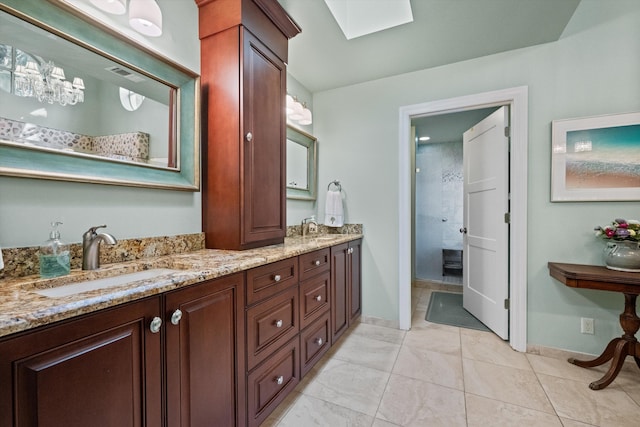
[{"x": 361, "y": 17}]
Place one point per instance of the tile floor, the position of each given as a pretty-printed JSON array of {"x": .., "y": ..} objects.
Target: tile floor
[{"x": 437, "y": 375}]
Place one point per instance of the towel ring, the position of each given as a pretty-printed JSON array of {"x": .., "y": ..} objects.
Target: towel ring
[{"x": 336, "y": 183}]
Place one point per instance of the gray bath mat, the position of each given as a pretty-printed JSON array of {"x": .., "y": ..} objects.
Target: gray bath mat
[{"x": 446, "y": 308}]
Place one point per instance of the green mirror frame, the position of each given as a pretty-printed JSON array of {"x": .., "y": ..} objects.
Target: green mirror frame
[
  {"x": 19, "y": 162},
  {"x": 297, "y": 136}
]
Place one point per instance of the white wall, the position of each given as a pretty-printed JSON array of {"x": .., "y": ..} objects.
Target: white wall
[
  {"x": 593, "y": 69},
  {"x": 27, "y": 206}
]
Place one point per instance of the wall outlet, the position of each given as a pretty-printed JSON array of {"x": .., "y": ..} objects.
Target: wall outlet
[{"x": 586, "y": 325}]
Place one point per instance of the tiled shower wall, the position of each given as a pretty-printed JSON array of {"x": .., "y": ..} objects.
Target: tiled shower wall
[{"x": 439, "y": 205}]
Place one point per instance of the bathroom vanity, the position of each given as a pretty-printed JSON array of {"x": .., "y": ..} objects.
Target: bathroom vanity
[{"x": 220, "y": 342}]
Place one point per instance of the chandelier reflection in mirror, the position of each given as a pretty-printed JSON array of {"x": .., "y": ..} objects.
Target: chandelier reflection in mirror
[{"x": 36, "y": 78}]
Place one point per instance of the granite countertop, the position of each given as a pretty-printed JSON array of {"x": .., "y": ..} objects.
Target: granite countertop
[{"x": 21, "y": 308}]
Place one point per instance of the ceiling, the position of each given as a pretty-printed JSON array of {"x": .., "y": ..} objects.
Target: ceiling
[
  {"x": 448, "y": 127},
  {"x": 442, "y": 32}
]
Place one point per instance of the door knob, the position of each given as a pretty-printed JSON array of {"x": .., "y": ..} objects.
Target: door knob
[
  {"x": 463, "y": 230},
  {"x": 249, "y": 137}
]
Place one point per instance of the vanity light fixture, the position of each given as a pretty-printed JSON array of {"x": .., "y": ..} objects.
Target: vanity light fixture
[
  {"x": 297, "y": 111},
  {"x": 145, "y": 16}
]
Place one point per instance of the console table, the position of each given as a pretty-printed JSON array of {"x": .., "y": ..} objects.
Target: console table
[{"x": 601, "y": 278}]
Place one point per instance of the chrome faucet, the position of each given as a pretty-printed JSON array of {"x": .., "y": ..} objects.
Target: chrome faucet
[
  {"x": 91, "y": 247},
  {"x": 309, "y": 221}
]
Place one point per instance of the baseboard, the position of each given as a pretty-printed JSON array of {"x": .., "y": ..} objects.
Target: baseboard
[{"x": 394, "y": 324}]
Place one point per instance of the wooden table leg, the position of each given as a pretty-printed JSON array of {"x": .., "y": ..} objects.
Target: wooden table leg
[{"x": 619, "y": 348}]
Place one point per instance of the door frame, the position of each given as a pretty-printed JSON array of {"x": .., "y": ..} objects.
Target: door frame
[{"x": 517, "y": 100}]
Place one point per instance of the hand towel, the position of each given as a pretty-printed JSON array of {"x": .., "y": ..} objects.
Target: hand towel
[
  {"x": 1, "y": 261},
  {"x": 333, "y": 211}
]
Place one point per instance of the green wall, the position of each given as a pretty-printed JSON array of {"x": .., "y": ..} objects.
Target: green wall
[{"x": 593, "y": 69}]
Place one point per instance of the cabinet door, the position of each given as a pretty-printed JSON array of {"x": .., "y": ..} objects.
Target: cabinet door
[
  {"x": 355, "y": 280},
  {"x": 103, "y": 369},
  {"x": 340, "y": 307},
  {"x": 264, "y": 84},
  {"x": 205, "y": 353}
]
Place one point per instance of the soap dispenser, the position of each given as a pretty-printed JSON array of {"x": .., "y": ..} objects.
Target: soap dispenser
[{"x": 55, "y": 259}]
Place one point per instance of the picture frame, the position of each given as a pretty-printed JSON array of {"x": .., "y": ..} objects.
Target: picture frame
[{"x": 596, "y": 158}]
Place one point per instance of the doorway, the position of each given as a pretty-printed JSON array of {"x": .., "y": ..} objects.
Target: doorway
[
  {"x": 438, "y": 195},
  {"x": 516, "y": 99}
]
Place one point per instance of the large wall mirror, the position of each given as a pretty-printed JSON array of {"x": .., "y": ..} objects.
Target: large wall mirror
[
  {"x": 78, "y": 103},
  {"x": 301, "y": 165}
]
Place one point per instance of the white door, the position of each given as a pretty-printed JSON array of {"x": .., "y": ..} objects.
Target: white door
[{"x": 486, "y": 240}]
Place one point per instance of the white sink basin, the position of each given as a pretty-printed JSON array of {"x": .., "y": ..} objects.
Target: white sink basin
[{"x": 107, "y": 282}]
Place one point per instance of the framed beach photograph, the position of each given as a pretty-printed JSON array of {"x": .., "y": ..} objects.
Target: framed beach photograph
[{"x": 596, "y": 158}]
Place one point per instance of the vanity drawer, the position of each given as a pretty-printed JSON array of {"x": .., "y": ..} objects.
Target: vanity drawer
[
  {"x": 268, "y": 280},
  {"x": 272, "y": 381},
  {"x": 270, "y": 324},
  {"x": 314, "y": 298},
  {"x": 314, "y": 263},
  {"x": 314, "y": 343}
]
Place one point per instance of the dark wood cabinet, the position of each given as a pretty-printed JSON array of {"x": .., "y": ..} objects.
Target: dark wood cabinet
[
  {"x": 103, "y": 369},
  {"x": 223, "y": 352},
  {"x": 243, "y": 56},
  {"x": 346, "y": 286},
  {"x": 205, "y": 354},
  {"x": 273, "y": 328},
  {"x": 107, "y": 369},
  {"x": 355, "y": 279}
]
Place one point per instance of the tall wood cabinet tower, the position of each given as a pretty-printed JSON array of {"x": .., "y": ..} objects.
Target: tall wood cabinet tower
[{"x": 244, "y": 48}]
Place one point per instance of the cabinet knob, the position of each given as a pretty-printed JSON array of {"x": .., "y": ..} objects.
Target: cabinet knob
[
  {"x": 176, "y": 316},
  {"x": 278, "y": 323},
  {"x": 249, "y": 137},
  {"x": 277, "y": 277},
  {"x": 279, "y": 380},
  {"x": 318, "y": 298},
  {"x": 319, "y": 341},
  {"x": 155, "y": 325},
  {"x": 350, "y": 250},
  {"x": 317, "y": 262}
]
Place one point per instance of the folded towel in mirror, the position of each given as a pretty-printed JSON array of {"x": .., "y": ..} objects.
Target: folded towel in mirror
[{"x": 334, "y": 211}]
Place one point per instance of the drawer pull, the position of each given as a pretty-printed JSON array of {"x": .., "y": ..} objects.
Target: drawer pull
[
  {"x": 155, "y": 325},
  {"x": 176, "y": 316},
  {"x": 317, "y": 262},
  {"x": 319, "y": 341},
  {"x": 278, "y": 323},
  {"x": 279, "y": 380},
  {"x": 277, "y": 277},
  {"x": 318, "y": 298}
]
